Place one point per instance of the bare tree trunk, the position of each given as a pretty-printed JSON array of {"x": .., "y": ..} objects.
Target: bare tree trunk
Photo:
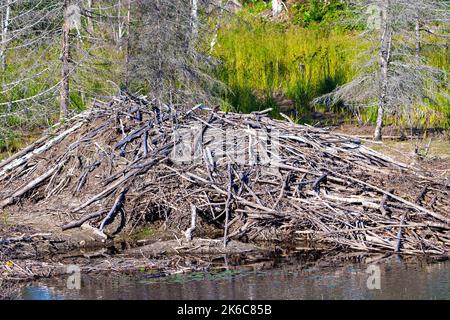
[
  {"x": 194, "y": 18},
  {"x": 90, "y": 25},
  {"x": 418, "y": 38},
  {"x": 379, "y": 126},
  {"x": 276, "y": 8},
  {"x": 385, "y": 57},
  {"x": 65, "y": 64},
  {"x": 119, "y": 25},
  {"x": 127, "y": 53},
  {"x": 217, "y": 27},
  {"x": 5, "y": 25}
]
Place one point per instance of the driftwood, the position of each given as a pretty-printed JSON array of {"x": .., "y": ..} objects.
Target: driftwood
[
  {"x": 9, "y": 165},
  {"x": 79, "y": 223},
  {"x": 247, "y": 176},
  {"x": 228, "y": 203},
  {"x": 191, "y": 229},
  {"x": 400, "y": 234},
  {"x": 31, "y": 185},
  {"x": 383, "y": 205},
  {"x": 23, "y": 238}
]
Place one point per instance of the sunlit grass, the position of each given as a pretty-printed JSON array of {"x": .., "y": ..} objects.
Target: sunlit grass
[{"x": 262, "y": 59}]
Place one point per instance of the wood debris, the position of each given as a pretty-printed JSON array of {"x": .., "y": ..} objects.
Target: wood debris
[{"x": 247, "y": 174}]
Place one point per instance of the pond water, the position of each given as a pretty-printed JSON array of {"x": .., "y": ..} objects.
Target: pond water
[{"x": 398, "y": 279}]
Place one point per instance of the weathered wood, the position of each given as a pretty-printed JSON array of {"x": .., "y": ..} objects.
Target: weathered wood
[
  {"x": 410, "y": 204},
  {"x": 228, "y": 203},
  {"x": 383, "y": 203},
  {"x": 24, "y": 151},
  {"x": 399, "y": 234},
  {"x": 30, "y": 186},
  {"x": 281, "y": 180},
  {"x": 118, "y": 205},
  {"x": 79, "y": 223},
  {"x": 35, "y": 152},
  {"x": 188, "y": 233},
  {"x": 316, "y": 185},
  {"x": 23, "y": 238}
]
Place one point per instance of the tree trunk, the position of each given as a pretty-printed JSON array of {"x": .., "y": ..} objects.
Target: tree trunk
[
  {"x": 5, "y": 25},
  {"x": 385, "y": 58},
  {"x": 119, "y": 25},
  {"x": 276, "y": 8},
  {"x": 217, "y": 27},
  {"x": 65, "y": 64},
  {"x": 379, "y": 126},
  {"x": 194, "y": 18},
  {"x": 127, "y": 52},
  {"x": 90, "y": 25},
  {"x": 418, "y": 38}
]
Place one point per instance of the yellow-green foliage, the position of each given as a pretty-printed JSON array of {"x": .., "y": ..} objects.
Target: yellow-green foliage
[
  {"x": 262, "y": 59},
  {"x": 96, "y": 70},
  {"x": 92, "y": 70},
  {"x": 266, "y": 59},
  {"x": 436, "y": 113}
]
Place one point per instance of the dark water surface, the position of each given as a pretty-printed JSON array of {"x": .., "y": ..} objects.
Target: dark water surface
[{"x": 415, "y": 279}]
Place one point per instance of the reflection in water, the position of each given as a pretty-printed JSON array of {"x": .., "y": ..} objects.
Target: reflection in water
[
  {"x": 399, "y": 280},
  {"x": 41, "y": 293}
]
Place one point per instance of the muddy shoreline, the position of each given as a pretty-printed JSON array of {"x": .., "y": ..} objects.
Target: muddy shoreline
[
  {"x": 44, "y": 257},
  {"x": 141, "y": 265},
  {"x": 27, "y": 254},
  {"x": 155, "y": 253}
]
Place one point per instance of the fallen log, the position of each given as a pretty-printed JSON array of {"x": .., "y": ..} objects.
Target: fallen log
[
  {"x": 30, "y": 186},
  {"x": 79, "y": 223},
  {"x": 23, "y": 238},
  {"x": 118, "y": 206}
]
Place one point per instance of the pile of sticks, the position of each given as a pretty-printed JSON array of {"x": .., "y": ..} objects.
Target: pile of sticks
[{"x": 132, "y": 161}]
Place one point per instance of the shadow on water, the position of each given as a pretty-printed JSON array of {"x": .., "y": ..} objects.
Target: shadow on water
[{"x": 278, "y": 278}]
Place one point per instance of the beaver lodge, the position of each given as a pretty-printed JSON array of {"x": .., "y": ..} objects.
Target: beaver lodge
[{"x": 204, "y": 173}]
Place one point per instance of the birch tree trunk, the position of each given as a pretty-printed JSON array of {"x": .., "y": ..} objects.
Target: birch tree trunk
[
  {"x": 385, "y": 57},
  {"x": 194, "y": 18},
  {"x": 276, "y": 8},
  {"x": 64, "y": 103},
  {"x": 5, "y": 25},
  {"x": 90, "y": 25}
]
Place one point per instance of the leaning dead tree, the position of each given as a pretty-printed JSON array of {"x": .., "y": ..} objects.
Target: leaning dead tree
[{"x": 134, "y": 161}]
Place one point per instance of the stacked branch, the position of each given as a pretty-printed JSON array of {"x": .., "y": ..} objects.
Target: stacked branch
[{"x": 132, "y": 161}]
